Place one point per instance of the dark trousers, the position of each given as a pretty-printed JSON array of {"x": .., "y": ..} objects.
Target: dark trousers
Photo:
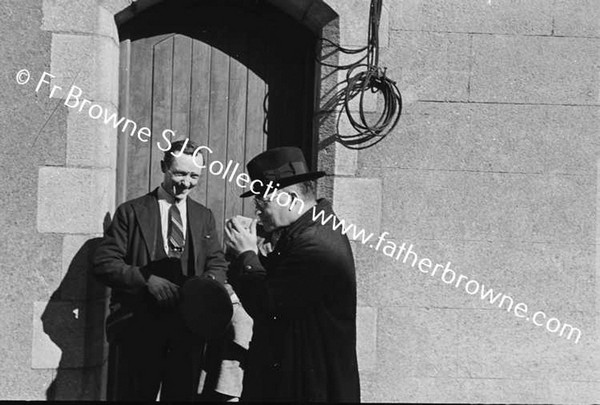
[{"x": 156, "y": 352}]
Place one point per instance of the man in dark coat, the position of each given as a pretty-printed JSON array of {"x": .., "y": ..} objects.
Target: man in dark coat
[
  {"x": 153, "y": 245},
  {"x": 302, "y": 295}
]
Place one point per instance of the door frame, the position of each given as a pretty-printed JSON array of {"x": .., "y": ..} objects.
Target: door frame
[{"x": 318, "y": 17}]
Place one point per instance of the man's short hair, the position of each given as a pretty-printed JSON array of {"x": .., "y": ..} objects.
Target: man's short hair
[
  {"x": 306, "y": 189},
  {"x": 176, "y": 146}
]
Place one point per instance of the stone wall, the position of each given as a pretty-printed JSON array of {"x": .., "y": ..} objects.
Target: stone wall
[
  {"x": 493, "y": 167},
  {"x": 58, "y": 189}
]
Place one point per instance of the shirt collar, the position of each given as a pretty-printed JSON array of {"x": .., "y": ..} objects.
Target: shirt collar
[{"x": 164, "y": 195}]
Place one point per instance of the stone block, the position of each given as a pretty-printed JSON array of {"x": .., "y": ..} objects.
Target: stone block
[
  {"x": 107, "y": 25},
  {"x": 6, "y": 11},
  {"x": 532, "y": 17},
  {"x": 577, "y": 18},
  {"x": 569, "y": 392},
  {"x": 370, "y": 265},
  {"x": 326, "y": 154},
  {"x": 70, "y": 15},
  {"x": 496, "y": 344},
  {"x": 78, "y": 17},
  {"x": 73, "y": 200},
  {"x": 329, "y": 76},
  {"x": 423, "y": 346},
  {"x": 492, "y": 138},
  {"x": 345, "y": 158},
  {"x": 90, "y": 63},
  {"x": 399, "y": 284},
  {"x": 545, "y": 70},
  {"x": 570, "y": 139},
  {"x": 386, "y": 387},
  {"x": 366, "y": 338},
  {"x": 25, "y": 118},
  {"x": 115, "y": 6},
  {"x": 31, "y": 261},
  {"x": 92, "y": 142},
  {"x": 358, "y": 202},
  {"x": 25, "y": 384},
  {"x": 505, "y": 390},
  {"x": 345, "y": 161},
  {"x": 514, "y": 268},
  {"x": 429, "y": 66},
  {"x": 15, "y": 341},
  {"x": 34, "y": 121},
  {"x": 555, "y": 278},
  {"x": 490, "y": 206},
  {"x": 463, "y": 137},
  {"x": 44, "y": 352},
  {"x": 354, "y": 22}
]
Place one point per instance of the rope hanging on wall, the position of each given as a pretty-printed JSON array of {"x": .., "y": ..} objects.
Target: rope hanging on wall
[{"x": 365, "y": 75}]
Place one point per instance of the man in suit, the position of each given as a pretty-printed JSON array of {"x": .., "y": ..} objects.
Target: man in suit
[
  {"x": 153, "y": 245},
  {"x": 301, "y": 294}
]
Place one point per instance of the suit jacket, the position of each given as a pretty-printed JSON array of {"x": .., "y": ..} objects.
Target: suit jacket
[
  {"x": 302, "y": 297},
  {"x": 123, "y": 260}
]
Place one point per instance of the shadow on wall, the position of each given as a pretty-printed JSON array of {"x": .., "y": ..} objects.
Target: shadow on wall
[{"x": 74, "y": 321}]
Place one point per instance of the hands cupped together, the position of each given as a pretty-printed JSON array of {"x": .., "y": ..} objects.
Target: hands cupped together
[{"x": 239, "y": 238}]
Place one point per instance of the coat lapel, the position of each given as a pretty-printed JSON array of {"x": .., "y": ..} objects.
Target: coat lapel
[
  {"x": 194, "y": 220},
  {"x": 147, "y": 212}
]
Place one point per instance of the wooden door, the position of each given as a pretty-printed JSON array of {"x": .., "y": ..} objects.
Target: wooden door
[{"x": 236, "y": 76}]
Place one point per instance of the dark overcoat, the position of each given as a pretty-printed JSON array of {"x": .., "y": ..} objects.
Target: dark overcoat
[
  {"x": 123, "y": 258},
  {"x": 302, "y": 297}
]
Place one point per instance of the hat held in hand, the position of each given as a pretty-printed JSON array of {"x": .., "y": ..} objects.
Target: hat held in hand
[
  {"x": 282, "y": 166},
  {"x": 206, "y": 307}
]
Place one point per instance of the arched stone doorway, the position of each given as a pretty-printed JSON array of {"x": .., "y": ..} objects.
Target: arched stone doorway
[{"x": 237, "y": 76}]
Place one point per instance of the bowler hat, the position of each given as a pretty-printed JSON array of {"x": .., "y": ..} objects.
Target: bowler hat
[
  {"x": 282, "y": 166},
  {"x": 206, "y": 307}
]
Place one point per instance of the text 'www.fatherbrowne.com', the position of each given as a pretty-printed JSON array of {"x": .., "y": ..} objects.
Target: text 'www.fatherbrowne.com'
[{"x": 448, "y": 275}]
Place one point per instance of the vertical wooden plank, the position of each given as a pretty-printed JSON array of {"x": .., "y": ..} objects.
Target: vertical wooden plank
[
  {"x": 217, "y": 135},
  {"x": 274, "y": 90},
  {"x": 123, "y": 111},
  {"x": 200, "y": 107},
  {"x": 140, "y": 108},
  {"x": 236, "y": 129},
  {"x": 182, "y": 65},
  {"x": 162, "y": 85},
  {"x": 255, "y": 117}
]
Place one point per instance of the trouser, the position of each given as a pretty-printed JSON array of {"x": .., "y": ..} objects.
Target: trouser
[{"x": 157, "y": 351}]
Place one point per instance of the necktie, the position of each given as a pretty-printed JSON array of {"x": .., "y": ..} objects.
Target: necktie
[{"x": 175, "y": 236}]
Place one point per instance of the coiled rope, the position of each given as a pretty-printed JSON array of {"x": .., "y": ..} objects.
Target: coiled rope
[{"x": 365, "y": 75}]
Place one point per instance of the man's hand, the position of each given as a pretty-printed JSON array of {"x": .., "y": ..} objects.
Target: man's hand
[
  {"x": 165, "y": 292},
  {"x": 240, "y": 239}
]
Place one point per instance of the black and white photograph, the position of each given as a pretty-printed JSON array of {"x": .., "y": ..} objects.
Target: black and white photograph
[{"x": 331, "y": 201}]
